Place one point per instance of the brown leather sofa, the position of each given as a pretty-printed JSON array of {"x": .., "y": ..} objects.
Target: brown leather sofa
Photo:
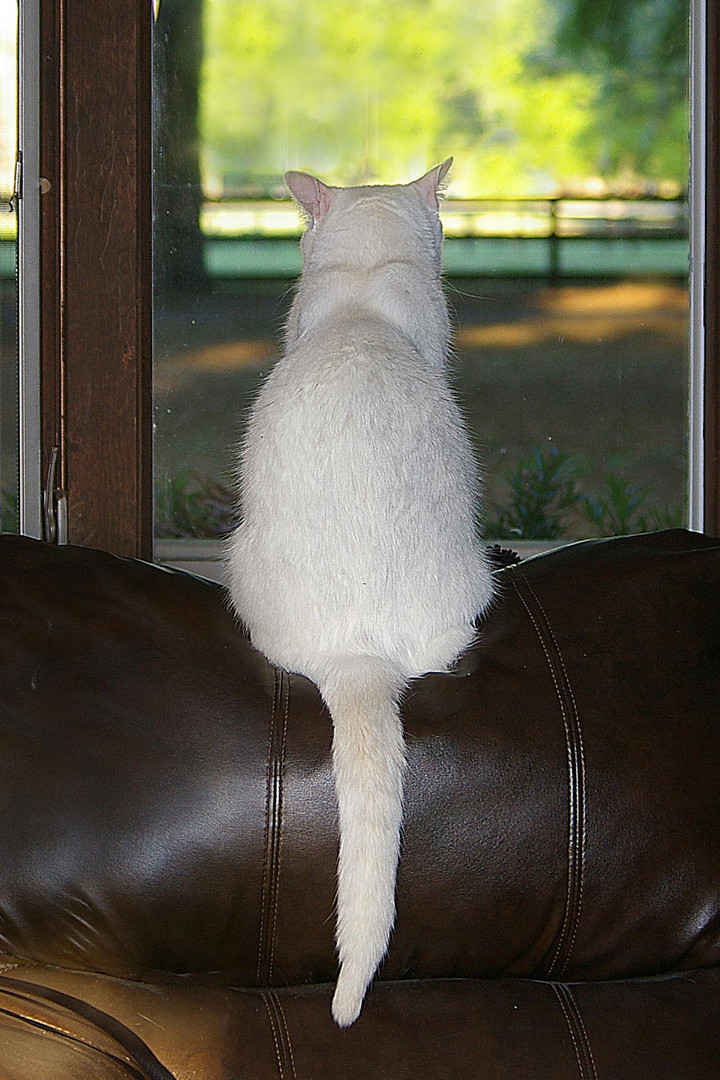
[{"x": 168, "y": 834}]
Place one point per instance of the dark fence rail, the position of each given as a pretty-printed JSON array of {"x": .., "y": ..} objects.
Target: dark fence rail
[
  {"x": 553, "y": 236},
  {"x": 508, "y": 217}
]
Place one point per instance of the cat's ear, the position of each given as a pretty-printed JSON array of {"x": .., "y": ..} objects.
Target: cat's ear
[
  {"x": 431, "y": 185},
  {"x": 313, "y": 196}
]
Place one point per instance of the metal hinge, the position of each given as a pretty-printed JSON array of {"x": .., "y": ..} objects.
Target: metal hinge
[{"x": 54, "y": 503}]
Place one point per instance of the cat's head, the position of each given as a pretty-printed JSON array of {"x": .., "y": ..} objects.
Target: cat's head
[{"x": 372, "y": 220}]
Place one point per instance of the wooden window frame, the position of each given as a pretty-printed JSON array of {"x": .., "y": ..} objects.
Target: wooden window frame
[
  {"x": 96, "y": 268},
  {"x": 96, "y": 285}
]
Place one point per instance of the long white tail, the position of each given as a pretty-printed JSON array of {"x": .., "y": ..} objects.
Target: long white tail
[{"x": 362, "y": 694}]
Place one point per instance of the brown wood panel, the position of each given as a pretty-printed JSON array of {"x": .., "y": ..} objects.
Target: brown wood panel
[
  {"x": 51, "y": 174},
  {"x": 99, "y": 381}
]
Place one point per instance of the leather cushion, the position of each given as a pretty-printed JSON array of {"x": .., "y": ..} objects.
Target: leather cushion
[
  {"x": 167, "y": 808},
  {"x": 514, "y": 1029}
]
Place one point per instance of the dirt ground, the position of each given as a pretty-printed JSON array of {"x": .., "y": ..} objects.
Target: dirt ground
[{"x": 596, "y": 369}]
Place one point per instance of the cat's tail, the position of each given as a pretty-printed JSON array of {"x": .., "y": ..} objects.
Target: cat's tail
[{"x": 362, "y": 694}]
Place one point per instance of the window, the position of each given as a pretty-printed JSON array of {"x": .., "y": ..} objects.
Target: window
[
  {"x": 95, "y": 247},
  {"x": 566, "y": 242}
]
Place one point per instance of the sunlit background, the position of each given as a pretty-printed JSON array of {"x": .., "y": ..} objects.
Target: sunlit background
[{"x": 534, "y": 97}]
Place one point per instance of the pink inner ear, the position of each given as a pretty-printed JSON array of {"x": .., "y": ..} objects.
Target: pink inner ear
[
  {"x": 314, "y": 196},
  {"x": 431, "y": 183}
]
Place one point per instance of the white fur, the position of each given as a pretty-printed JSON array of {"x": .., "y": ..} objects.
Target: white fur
[{"x": 357, "y": 562}]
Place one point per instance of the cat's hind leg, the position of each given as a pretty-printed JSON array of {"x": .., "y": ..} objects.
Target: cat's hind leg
[{"x": 442, "y": 651}]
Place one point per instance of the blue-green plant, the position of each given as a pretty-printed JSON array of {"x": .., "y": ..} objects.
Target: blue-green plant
[
  {"x": 614, "y": 513},
  {"x": 543, "y": 487}
]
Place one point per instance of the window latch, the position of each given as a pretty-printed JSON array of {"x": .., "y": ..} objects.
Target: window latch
[
  {"x": 54, "y": 504},
  {"x": 17, "y": 185}
]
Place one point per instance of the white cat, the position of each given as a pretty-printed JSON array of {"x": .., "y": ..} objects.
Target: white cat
[{"x": 357, "y": 561}]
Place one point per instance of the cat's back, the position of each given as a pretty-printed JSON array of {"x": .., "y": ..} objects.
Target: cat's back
[
  {"x": 352, "y": 386},
  {"x": 361, "y": 389}
]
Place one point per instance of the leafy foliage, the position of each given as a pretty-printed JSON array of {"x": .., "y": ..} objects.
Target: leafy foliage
[
  {"x": 527, "y": 94},
  {"x": 639, "y": 51},
  {"x": 617, "y": 511},
  {"x": 544, "y": 487},
  {"x": 627, "y": 33},
  {"x": 613, "y": 512}
]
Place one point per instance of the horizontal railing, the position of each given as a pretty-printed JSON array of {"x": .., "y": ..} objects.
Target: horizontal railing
[
  {"x": 509, "y": 217},
  {"x": 551, "y": 236}
]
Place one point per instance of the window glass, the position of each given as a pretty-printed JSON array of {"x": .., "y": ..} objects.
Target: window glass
[
  {"x": 8, "y": 271},
  {"x": 566, "y": 251}
]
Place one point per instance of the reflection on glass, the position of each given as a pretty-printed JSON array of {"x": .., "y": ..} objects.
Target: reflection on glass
[
  {"x": 8, "y": 271},
  {"x": 566, "y": 226}
]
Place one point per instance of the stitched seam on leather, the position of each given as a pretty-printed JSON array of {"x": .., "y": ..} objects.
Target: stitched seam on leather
[
  {"x": 578, "y": 1032},
  {"x": 583, "y": 1029},
  {"x": 275, "y": 1033},
  {"x": 581, "y": 789},
  {"x": 571, "y": 1030},
  {"x": 538, "y": 630},
  {"x": 279, "y": 842},
  {"x": 266, "y": 854},
  {"x": 576, "y": 773},
  {"x": 273, "y": 830},
  {"x": 287, "y": 1040}
]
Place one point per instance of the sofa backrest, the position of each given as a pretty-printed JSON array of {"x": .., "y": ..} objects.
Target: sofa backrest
[{"x": 167, "y": 808}]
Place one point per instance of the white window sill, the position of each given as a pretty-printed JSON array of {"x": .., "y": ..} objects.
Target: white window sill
[{"x": 204, "y": 558}]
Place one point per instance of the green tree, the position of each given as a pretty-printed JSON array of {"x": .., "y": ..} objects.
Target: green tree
[
  {"x": 380, "y": 91},
  {"x": 629, "y": 33},
  {"x": 526, "y": 94},
  {"x": 638, "y": 49}
]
